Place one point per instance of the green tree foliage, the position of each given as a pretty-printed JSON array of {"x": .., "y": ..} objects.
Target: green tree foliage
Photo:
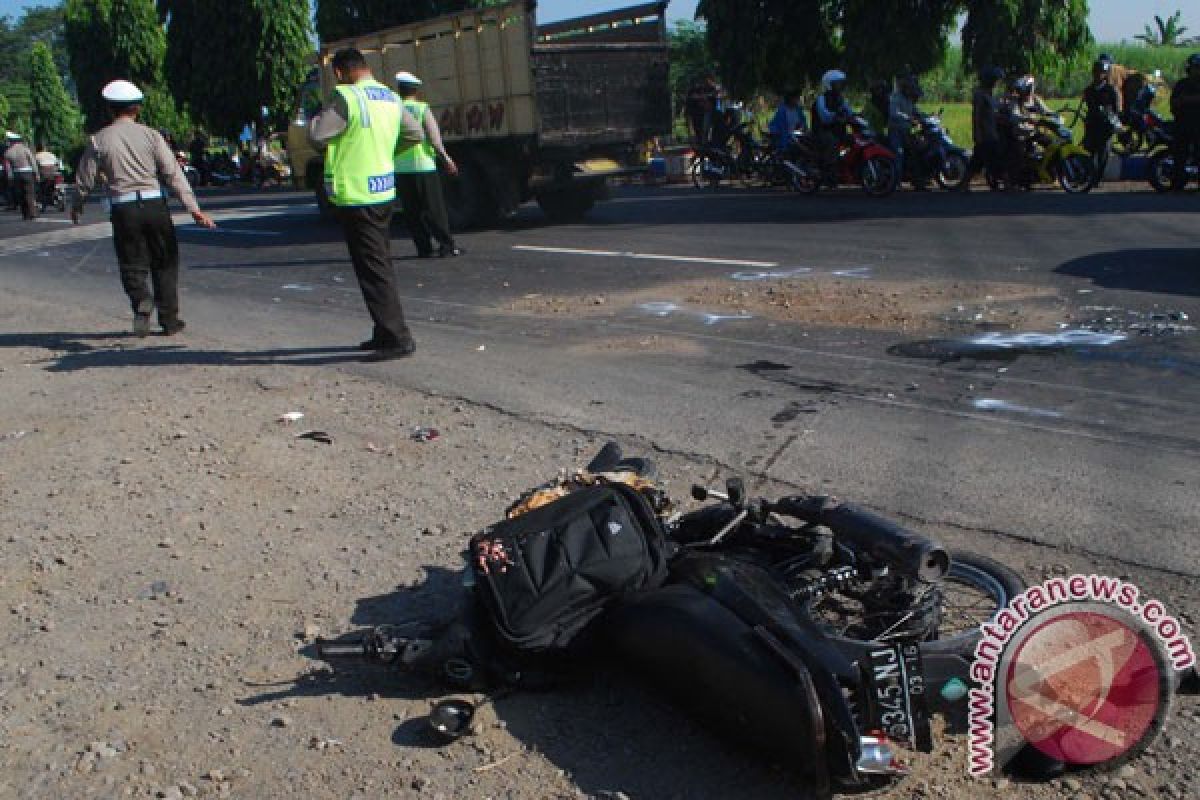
[
  {"x": 263, "y": 54},
  {"x": 1024, "y": 34},
  {"x": 772, "y": 44},
  {"x": 769, "y": 44},
  {"x": 44, "y": 24},
  {"x": 339, "y": 19},
  {"x": 110, "y": 39},
  {"x": 54, "y": 119},
  {"x": 884, "y": 39},
  {"x": 1166, "y": 33},
  {"x": 690, "y": 57}
]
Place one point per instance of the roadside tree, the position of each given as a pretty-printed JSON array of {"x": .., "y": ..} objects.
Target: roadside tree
[{"x": 54, "y": 118}]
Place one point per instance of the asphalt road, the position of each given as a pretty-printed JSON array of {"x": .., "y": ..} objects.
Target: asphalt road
[{"x": 1086, "y": 444}]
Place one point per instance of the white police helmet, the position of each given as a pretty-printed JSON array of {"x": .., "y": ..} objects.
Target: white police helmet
[
  {"x": 122, "y": 93},
  {"x": 407, "y": 79},
  {"x": 832, "y": 77}
]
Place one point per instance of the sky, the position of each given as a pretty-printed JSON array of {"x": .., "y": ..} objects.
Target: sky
[{"x": 1112, "y": 20}]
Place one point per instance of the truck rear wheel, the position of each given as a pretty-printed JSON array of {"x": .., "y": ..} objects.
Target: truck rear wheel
[
  {"x": 469, "y": 202},
  {"x": 567, "y": 205}
]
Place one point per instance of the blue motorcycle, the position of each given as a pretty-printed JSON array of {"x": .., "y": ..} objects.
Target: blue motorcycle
[{"x": 937, "y": 154}]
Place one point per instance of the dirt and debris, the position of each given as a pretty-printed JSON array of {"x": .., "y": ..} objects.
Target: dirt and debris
[
  {"x": 824, "y": 302},
  {"x": 155, "y": 587}
]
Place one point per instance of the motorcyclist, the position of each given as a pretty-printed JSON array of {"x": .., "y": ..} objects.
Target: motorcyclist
[
  {"x": 1023, "y": 108},
  {"x": 831, "y": 114},
  {"x": 788, "y": 123},
  {"x": 902, "y": 111},
  {"x": 1185, "y": 105},
  {"x": 985, "y": 124},
  {"x": 1100, "y": 118}
]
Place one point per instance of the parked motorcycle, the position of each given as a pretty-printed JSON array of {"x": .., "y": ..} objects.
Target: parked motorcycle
[
  {"x": 1048, "y": 154},
  {"x": 1142, "y": 128},
  {"x": 1160, "y": 171},
  {"x": 812, "y": 630},
  {"x": 937, "y": 152},
  {"x": 52, "y": 192}
]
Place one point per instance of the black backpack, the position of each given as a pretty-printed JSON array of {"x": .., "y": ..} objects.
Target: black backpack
[{"x": 540, "y": 578}]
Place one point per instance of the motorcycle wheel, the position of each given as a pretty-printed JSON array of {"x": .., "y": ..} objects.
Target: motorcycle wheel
[
  {"x": 1076, "y": 174},
  {"x": 878, "y": 176},
  {"x": 1128, "y": 142},
  {"x": 1159, "y": 171},
  {"x": 954, "y": 172},
  {"x": 802, "y": 180},
  {"x": 973, "y": 591},
  {"x": 706, "y": 173}
]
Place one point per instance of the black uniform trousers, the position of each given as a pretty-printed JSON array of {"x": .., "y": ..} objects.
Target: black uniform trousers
[
  {"x": 1184, "y": 150},
  {"x": 368, "y": 237},
  {"x": 27, "y": 194},
  {"x": 148, "y": 256},
  {"x": 424, "y": 210}
]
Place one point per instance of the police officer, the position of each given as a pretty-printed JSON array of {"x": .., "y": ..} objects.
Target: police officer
[
  {"x": 1185, "y": 105},
  {"x": 417, "y": 179},
  {"x": 22, "y": 168},
  {"x": 1100, "y": 121},
  {"x": 133, "y": 159},
  {"x": 361, "y": 131}
]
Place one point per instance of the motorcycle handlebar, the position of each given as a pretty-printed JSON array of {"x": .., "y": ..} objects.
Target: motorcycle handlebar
[{"x": 912, "y": 553}]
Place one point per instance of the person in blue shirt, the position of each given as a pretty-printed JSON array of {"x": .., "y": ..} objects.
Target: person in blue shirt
[
  {"x": 788, "y": 123},
  {"x": 831, "y": 114}
]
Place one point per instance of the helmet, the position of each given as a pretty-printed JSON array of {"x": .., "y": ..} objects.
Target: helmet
[
  {"x": 407, "y": 79},
  {"x": 121, "y": 93},
  {"x": 1023, "y": 84},
  {"x": 1193, "y": 60},
  {"x": 831, "y": 77},
  {"x": 1103, "y": 64}
]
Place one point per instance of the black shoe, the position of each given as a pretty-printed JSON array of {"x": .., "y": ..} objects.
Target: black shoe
[
  {"x": 173, "y": 327},
  {"x": 449, "y": 251},
  {"x": 141, "y": 325},
  {"x": 370, "y": 344},
  {"x": 392, "y": 353}
]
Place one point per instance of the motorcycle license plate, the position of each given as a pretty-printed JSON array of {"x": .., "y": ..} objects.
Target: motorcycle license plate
[{"x": 896, "y": 695}]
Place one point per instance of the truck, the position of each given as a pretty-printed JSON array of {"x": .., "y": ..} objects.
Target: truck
[{"x": 550, "y": 113}]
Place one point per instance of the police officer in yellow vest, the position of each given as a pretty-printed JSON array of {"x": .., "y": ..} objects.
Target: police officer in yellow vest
[
  {"x": 361, "y": 131},
  {"x": 417, "y": 179}
]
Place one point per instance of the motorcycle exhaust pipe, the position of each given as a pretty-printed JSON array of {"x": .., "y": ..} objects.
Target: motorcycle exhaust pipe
[{"x": 911, "y": 553}]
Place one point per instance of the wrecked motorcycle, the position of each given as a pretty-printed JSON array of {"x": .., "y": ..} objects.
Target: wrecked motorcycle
[{"x": 812, "y": 631}]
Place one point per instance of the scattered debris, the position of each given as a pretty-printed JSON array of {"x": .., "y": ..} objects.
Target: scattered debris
[
  {"x": 992, "y": 404},
  {"x": 316, "y": 436},
  {"x": 481, "y": 348},
  {"x": 420, "y": 434},
  {"x": 290, "y": 417}
]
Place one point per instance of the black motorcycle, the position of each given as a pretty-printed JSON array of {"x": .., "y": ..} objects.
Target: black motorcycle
[
  {"x": 51, "y": 191},
  {"x": 937, "y": 153},
  {"x": 812, "y": 630}
]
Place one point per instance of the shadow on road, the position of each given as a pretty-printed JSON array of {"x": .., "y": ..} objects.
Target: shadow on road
[
  {"x": 74, "y": 351},
  {"x": 602, "y": 727},
  {"x": 1159, "y": 270}
]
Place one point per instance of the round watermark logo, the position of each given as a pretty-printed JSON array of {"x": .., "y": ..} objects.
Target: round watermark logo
[{"x": 1087, "y": 686}]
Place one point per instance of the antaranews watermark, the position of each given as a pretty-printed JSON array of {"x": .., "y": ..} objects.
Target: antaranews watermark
[{"x": 1078, "y": 667}]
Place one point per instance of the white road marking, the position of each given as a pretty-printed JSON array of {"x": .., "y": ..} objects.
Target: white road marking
[
  {"x": 53, "y": 220},
  {"x": 573, "y": 251},
  {"x": 223, "y": 229}
]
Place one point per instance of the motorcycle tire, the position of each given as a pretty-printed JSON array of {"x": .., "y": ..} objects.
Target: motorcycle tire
[
  {"x": 804, "y": 181},
  {"x": 976, "y": 573},
  {"x": 706, "y": 173},
  {"x": 1159, "y": 171},
  {"x": 1076, "y": 174},
  {"x": 878, "y": 176},
  {"x": 954, "y": 172}
]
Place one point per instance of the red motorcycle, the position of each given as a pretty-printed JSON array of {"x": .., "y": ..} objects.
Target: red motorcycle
[{"x": 860, "y": 160}]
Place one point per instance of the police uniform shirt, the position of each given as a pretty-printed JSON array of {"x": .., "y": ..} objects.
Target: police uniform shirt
[
  {"x": 131, "y": 158},
  {"x": 20, "y": 158}
]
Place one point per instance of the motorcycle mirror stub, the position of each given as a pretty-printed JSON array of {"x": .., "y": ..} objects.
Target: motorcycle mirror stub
[{"x": 451, "y": 719}]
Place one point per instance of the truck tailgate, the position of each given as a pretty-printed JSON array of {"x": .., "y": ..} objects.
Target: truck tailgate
[{"x": 601, "y": 93}]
